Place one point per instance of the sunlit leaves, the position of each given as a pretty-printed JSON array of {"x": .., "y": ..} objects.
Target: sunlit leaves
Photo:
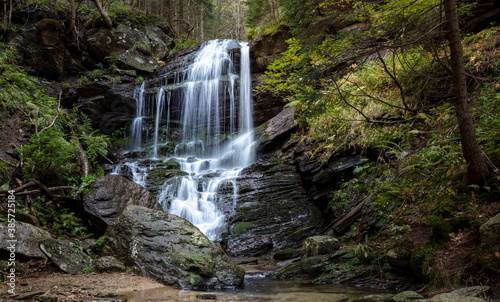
[{"x": 282, "y": 78}]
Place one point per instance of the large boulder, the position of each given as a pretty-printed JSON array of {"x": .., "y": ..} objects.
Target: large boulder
[
  {"x": 110, "y": 195},
  {"x": 66, "y": 257},
  {"x": 320, "y": 245},
  {"x": 27, "y": 238},
  {"x": 132, "y": 46},
  {"x": 170, "y": 250}
]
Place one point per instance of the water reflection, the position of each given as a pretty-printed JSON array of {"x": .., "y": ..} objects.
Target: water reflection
[{"x": 259, "y": 290}]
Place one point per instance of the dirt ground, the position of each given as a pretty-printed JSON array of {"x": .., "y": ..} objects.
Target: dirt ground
[{"x": 81, "y": 287}]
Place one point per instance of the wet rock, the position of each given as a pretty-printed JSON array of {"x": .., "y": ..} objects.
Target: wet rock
[
  {"x": 490, "y": 233},
  {"x": 272, "y": 212},
  {"x": 27, "y": 236},
  {"x": 109, "y": 264},
  {"x": 110, "y": 195},
  {"x": 65, "y": 257},
  {"x": 320, "y": 245},
  {"x": 170, "y": 250},
  {"x": 307, "y": 269},
  {"x": 277, "y": 131},
  {"x": 157, "y": 176}
]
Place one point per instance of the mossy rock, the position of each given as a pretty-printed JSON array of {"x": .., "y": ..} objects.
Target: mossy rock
[
  {"x": 307, "y": 268},
  {"x": 170, "y": 164},
  {"x": 159, "y": 175}
]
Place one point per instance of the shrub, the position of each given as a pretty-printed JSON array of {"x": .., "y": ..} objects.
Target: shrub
[{"x": 50, "y": 158}]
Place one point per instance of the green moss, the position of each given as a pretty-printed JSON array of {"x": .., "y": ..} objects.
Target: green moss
[{"x": 242, "y": 227}]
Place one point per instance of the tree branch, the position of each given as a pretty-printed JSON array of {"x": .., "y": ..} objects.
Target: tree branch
[{"x": 20, "y": 191}]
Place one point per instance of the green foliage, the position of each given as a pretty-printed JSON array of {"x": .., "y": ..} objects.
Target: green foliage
[
  {"x": 19, "y": 91},
  {"x": 299, "y": 13},
  {"x": 50, "y": 157},
  {"x": 282, "y": 78},
  {"x": 99, "y": 245},
  {"x": 89, "y": 269},
  {"x": 61, "y": 221},
  {"x": 181, "y": 44},
  {"x": 363, "y": 252}
]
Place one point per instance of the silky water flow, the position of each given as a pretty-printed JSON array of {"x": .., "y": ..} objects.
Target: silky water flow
[{"x": 215, "y": 139}]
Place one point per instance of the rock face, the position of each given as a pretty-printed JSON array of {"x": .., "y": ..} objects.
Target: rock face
[
  {"x": 110, "y": 195},
  {"x": 27, "y": 236},
  {"x": 320, "y": 178},
  {"x": 170, "y": 250},
  {"x": 272, "y": 213},
  {"x": 65, "y": 257},
  {"x": 110, "y": 107},
  {"x": 42, "y": 46},
  {"x": 51, "y": 50},
  {"x": 265, "y": 49}
]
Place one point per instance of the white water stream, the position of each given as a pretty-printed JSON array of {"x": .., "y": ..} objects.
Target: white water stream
[{"x": 217, "y": 139}]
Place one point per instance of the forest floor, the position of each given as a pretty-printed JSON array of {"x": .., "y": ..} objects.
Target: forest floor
[{"x": 80, "y": 287}]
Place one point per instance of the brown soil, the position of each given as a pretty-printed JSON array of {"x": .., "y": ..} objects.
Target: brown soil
[{"x": 81, "y": 287}]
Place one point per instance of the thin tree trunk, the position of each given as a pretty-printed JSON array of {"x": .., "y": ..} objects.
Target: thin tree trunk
[
  {"x": 477, "y": 171},
  {"x": 72, "y": 7},
  {"x": 103, "y": 13}
]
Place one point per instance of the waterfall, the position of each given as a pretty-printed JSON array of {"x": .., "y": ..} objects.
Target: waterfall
[{"x": 214, "y": 137}]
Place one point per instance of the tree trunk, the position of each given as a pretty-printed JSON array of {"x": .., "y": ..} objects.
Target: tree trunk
[
  {"x": 104, "y": 14},
  {"x": 477, "y": 171},
  {"x": 72, "y": 7}
]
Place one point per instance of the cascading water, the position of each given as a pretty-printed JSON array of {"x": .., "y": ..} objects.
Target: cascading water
[{"x": 216, "y": 133}]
